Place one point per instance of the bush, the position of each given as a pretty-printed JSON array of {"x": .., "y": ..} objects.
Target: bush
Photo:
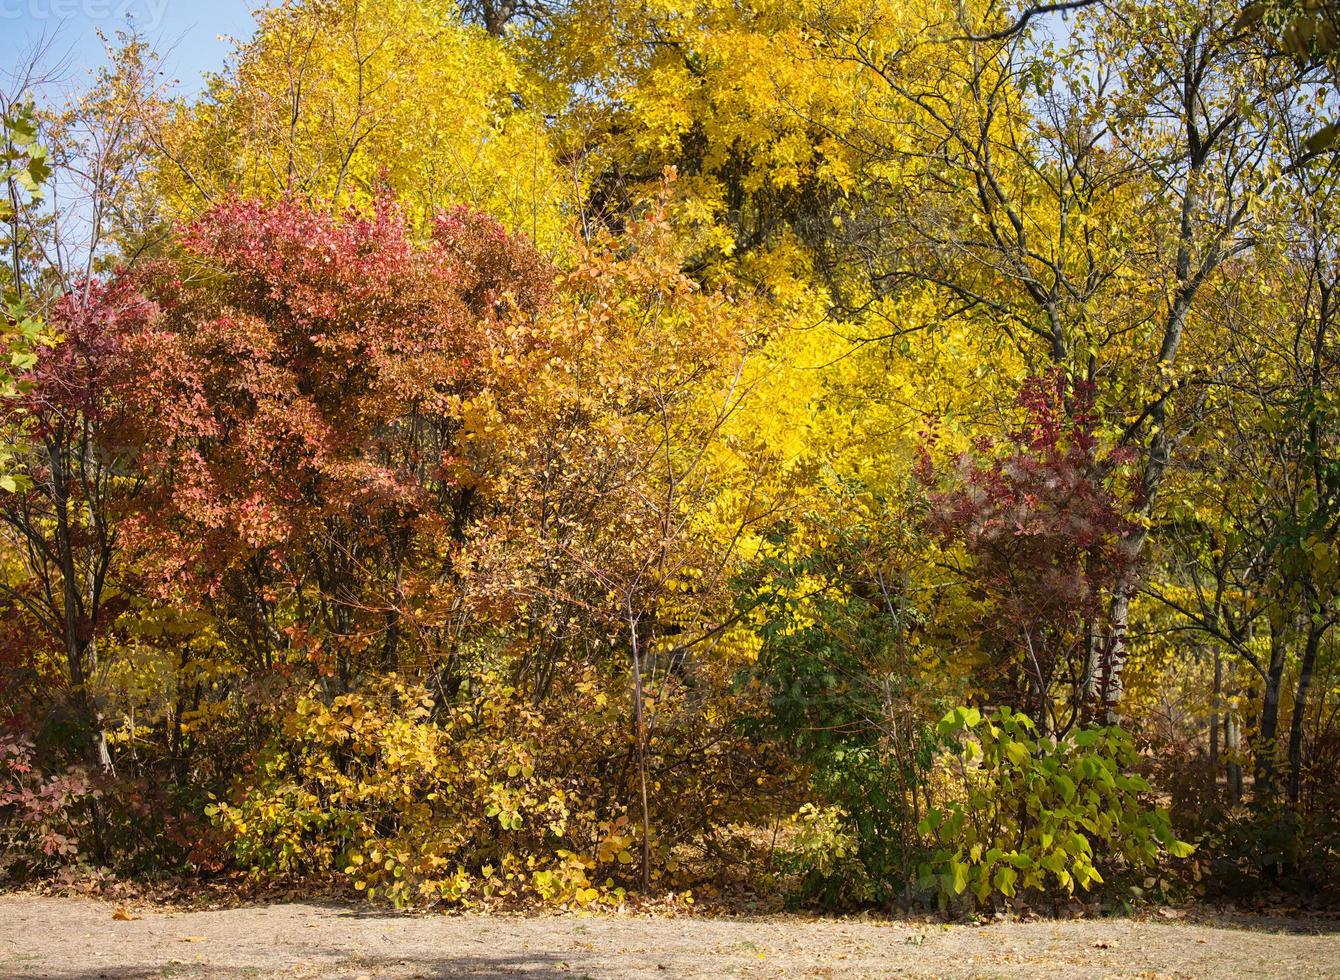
[
  {"x": 411, "y": 797},
  {"x": 845, "y": 700},
  {"x": 1038, "y": 815},
  {"x": 41, "y": 816},
  {"x": 419, "y": 806}
]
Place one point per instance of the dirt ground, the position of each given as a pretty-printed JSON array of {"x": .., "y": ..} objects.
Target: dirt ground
[{"x": 65, "y": 938}]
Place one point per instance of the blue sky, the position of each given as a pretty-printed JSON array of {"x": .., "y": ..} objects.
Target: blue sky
[{"x": 187, "y": 32}]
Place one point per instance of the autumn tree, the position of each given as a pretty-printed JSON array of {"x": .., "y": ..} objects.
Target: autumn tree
[
  {"x": 317, "y": 464},
  {"x": 333, "y": 101},
  {"x": 65, "y": 522},
  {"x": 1251, "y": 551},
  {"x": 69, "y": 419},
  {"x": 628, "y": 491},
  {"x": 1039, "y": 521},
  {"x": 1084, "y": 213}
]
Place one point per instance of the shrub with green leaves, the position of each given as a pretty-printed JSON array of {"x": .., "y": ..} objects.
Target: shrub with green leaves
[
  {"x": 1029, "y": 814},
  {"x": 847, "y": 700}
]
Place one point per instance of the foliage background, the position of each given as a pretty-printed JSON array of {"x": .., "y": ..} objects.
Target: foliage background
[{"x": 845, "y": 453}]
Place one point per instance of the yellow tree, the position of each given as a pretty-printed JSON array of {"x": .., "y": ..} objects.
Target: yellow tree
[
  {"x": 334, "y": 99},
  {"x": 628, "y": 490},
  {"x": 1079, "y": 197}
]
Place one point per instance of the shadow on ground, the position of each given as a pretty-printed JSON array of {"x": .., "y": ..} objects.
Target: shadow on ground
[{"x": 530, "y": 967}]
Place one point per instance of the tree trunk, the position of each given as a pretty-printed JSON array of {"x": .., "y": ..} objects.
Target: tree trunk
[
  {"x": 1216, "y": 706},
  {"x": 1264, "y": 769},
  {"x": 1233, "y": 744},
  {"x": 1114, "y": 656},
  {"x": 96, "y": 754},
  {"x": 641, "y": 735},
  {"x": 1300, "y": 711}
]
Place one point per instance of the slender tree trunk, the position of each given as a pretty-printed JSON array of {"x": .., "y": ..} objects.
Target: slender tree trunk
[
  {"x": 1160, "y": 444},
  {"x": 640, "y": 724},
  {"x": 1300, "y": 712},
  {"x": 1216, "y": 706},
  {"x": 1233, "y": 745},
  {"x": 1264, "y": 769},
  {"x": 1114, "y": 656},
  {"x": 78, "y": 623},
  {"x": 96, "y": 753}
]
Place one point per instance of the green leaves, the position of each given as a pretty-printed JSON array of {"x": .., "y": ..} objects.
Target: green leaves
[
  {"x": 24, "y": 169},
  {"x": 958, "y": 876},
  {"x": 1038, "y": 814},
  {"x": 23, "y": 160},
  {"x": 958, "y": 720},
  {"x": 1066, "y": 786}
]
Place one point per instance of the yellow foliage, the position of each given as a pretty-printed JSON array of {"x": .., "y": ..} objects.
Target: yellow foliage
[{"x": 336, "y": 99}]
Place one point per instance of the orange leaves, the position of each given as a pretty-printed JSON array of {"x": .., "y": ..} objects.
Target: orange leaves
[{"x": 331, "y": 359}]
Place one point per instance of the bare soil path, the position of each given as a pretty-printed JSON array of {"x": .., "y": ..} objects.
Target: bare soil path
[{"x": 67, "y": 938}]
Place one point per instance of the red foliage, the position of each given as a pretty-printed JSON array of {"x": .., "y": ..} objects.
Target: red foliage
[
  {"x": 38, "y": 813},
  {"x": 79, "y": 409},
  {"x": 80, "y": 376},
  {"x": 1041, "y": 525},
  {"x": 307, "y": 384},
  {"x": 85, "y": 382},
  {"x": 491, "y": 271}
]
